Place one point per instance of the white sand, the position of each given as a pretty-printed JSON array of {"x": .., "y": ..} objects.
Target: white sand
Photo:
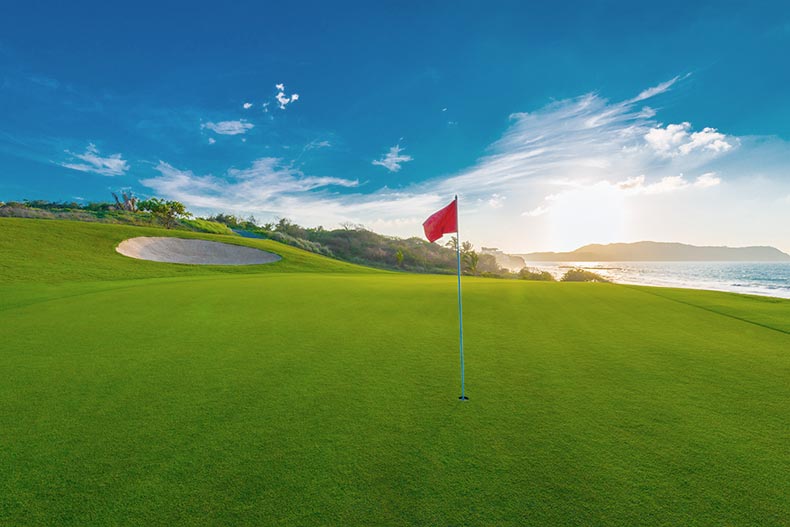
[{"x": 188, "y": 251}]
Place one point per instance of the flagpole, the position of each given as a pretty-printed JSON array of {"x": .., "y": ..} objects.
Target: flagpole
[{"x": 460, "y": 307}]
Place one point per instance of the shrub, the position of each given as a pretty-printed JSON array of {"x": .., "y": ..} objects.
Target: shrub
[
  {"x": 307, "y": 245},
  {"x": 168, "y": 212},
  {"x": 537, "y": 274},
  {"x": 582, "y": 275}
]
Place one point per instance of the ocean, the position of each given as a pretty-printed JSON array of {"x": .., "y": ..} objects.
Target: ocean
[{"x": 753, "y": 278}]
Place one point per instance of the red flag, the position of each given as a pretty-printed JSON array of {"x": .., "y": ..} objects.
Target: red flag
[{"x": 442, "y": 222}]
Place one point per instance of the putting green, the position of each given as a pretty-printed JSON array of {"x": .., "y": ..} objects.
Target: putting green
[{"x": 308, "y": 391}]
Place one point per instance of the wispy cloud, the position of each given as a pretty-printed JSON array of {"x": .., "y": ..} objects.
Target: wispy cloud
[
  {"x": 229, "y": 127},
  {"x": 92, "y": 161},
  {"x": 666, "y": 184},
  {"x": 47, "y": 82},
  {"x": 267, "y": 182},
  {"x": 393, "y": 159},
  {"x": 247, "y": 105},
  {"x": 540, "y": 210},
  {"x": 496, "y": 201},
  {"x": 708, "y": 179},
  {"x": 654, "y": 90},
  {"x": 316, "y": 144},
  {"x": 588, "y": 139}
]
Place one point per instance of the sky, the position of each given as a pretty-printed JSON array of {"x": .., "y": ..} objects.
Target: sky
[{"x": 556, "y": 125}]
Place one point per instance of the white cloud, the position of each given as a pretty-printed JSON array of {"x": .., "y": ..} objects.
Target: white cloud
[
  {"x": 496, "y": 201},
  {"x": 707, "y": 179},
  {"x": 647, "y": 112},
  {"x": 229, "y": 127},
  {"x": 284, "y": 100},
  {"x": 112, "y": 165},
  {"x": 211, "y": 140},
  {"x": 666, "y": 184},
  {"x": 266, "y": 183},
  {"x": 655, "y": 90},
  {"x": 393, "y": 159},
  {"x": 632, "y": 183},
  {"x": 668, "y": 140},
  {"x": 247, "y": 105},
  {"x": 677, "y": 139},
  {"x": 707, "y": 139},
  {"x": 266, "y": 107},
  {"x": 537, "y": 211},
  {"x": 316, "y": 144},
  {"x": 639, "y": 185}
]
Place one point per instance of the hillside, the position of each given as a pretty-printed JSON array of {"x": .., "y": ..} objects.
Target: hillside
[
  {"x": 659, "y": 251},
  {"x": 352, "y": 243},
  {"x": 59, "y": 251}
]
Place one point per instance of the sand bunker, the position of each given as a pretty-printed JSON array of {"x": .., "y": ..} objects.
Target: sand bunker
[{"x": 187, "y": 251}]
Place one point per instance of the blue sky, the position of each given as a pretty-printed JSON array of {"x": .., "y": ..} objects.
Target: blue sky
[{"x": 557, "y": 125}]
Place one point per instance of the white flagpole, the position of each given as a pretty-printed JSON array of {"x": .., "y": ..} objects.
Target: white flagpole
[{"x": 460, "y": 307}]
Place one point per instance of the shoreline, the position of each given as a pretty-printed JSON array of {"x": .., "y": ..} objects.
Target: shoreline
[{"x": 767, "y": 279}]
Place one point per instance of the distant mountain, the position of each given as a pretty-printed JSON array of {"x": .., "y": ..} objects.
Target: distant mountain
[{"x": 660, "y": 252}]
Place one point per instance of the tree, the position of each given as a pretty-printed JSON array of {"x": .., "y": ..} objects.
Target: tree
[
  {"x": 166, "y": 211},
  {"x": 399, "y": 257},
  {"x": 129, "y": 202},
  {"x": 470, "y": 257},
  {"x": 286, "y": 226}
]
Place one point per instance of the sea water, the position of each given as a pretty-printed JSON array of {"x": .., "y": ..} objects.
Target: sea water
[{"x": 754, "y": 278}]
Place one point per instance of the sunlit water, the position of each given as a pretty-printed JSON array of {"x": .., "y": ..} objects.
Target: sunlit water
[{"x": 769, "y": 279}]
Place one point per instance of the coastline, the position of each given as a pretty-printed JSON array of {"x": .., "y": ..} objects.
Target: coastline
[{"x": 769, "y": 279}]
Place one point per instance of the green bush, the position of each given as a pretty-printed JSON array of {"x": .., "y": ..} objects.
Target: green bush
[
  {"x": 307, "y": 245},
  {"x": 582, "y": 275},
  {"x": 536, "y": 274}
]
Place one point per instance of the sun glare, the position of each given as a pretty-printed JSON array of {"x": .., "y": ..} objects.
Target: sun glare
[{"x": 590, "y": 215}]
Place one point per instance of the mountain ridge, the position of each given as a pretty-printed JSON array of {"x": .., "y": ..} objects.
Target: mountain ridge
[{"x": 646, "y": 251}]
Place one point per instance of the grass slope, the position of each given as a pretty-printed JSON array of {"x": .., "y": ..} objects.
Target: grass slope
[
  {"x": 57, "y": 251},
  {"x": 43, "y": 259},
  {"x": 328, "y": 398}
]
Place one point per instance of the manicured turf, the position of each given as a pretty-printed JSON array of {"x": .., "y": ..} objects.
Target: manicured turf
[{"x": 321, "y": 394}]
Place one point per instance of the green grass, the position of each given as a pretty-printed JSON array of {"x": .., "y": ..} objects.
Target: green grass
[
  {"x": 319, "y": 393},
  {"x": 207, "y": 226}
]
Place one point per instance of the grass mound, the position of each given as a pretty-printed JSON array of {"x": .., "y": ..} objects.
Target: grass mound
[{"x": 314, "y": 392}]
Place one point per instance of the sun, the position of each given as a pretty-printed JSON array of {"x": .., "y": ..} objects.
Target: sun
[{"x": 596, "y": 214}]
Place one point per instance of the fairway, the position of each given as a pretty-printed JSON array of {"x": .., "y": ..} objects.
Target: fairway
[{"x": 310, "y": 391}]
